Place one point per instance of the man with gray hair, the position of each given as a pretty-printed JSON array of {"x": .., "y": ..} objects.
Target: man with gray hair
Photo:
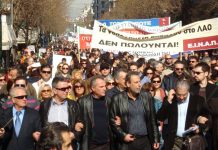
[
  {"x": 94, "y": 113},
  {"x": 182, "y": 110}
]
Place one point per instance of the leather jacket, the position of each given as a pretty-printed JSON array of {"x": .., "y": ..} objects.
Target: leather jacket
[{"x": 119, "y": 107}]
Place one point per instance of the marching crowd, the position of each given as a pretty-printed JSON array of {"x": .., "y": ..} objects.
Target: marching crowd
[{"x": 104, "y": 101}]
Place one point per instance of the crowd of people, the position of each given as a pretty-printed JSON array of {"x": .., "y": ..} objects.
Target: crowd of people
[{"x": 103, "y": 101}]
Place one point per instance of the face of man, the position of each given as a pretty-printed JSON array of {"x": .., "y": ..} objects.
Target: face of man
[
  {"x": 99, "y": 88},
  {"x": 121, "y": 80},
  {"x": 20, "y": 83},
  {"x": 133, "y": 68},
  {"x": 46, "y": 74},
  {"x": 105, "y": 72},
  {"x": 179, "y": 69},
  {"x": 19, "y": 99},
  {"x": 181, "y": 93},
  {"x": 12, "y": 74},
  {"x": 199, "y": 74},
  {"x": 168, "y": 59},
  {"x": 61, "y": 91},
  {"x": 193, "y": 63},
  {"x": 134, "y": 85},
  {"x": 2, "y": 81},
  {"x": 159, "y": 68}
]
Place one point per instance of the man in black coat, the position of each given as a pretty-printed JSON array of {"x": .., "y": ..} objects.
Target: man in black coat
[
  {"x": 210, "y": 92},
  {"x": 61, "y": 109},
  {"x": 20, "y": 125},
  {"x": 182, "y": 111},
  {"x": 138, "y": 129}
]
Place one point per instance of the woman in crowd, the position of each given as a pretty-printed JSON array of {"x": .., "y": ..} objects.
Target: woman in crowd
[
  {"x": 79, "y": 89},
  {"x": 45, "y": 92},
  {"x": 149, "y": 72},
  {"x": 109, "y": 82}
]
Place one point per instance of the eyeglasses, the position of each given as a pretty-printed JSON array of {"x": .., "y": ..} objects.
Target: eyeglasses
[
  {"x": 110, "y": 83},
  {"x": 179, "y": 69},
  {"x": 156, "y": 81},
  {"x": 65, "y": 68},
  {"x": 197, "y": 73},
  {"x": 20, "y": 85},
  {"x": 46, "y": 72},
  {"x": 44, "y": 91},
  {"x": 2, "y": 80},
  {"x": 78, "y": 86},
  {"x": 21, "y": 97},
  {"x": 64, "y": 89}
]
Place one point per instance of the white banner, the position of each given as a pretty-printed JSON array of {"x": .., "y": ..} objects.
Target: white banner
[{"x": 196, "y": 36}]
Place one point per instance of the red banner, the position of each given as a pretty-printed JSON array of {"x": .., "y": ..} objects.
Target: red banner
[
  {"x": 204, "y": 43},
  {"x": 85, "y": 40}
]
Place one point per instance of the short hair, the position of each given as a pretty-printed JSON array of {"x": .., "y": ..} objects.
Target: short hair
[
  {"x": 131, "y": 56},
  {"x": 51, "y": 136},
  {"x": 133, "y": 64},
  {"x": 13, "y": 89},
  {"x": 45, "y": 66},
  {"x": 56, "y": 80},
  {"x": 93, "y": 80},
  {"x": 183, "y": 84},
  {"x": 205, "y": 67},
  {"x": 194, "y": 57},
  {"x": 155, "y": 63},
  {"x": 130, "y": 74},
  {"x": 117, "y": 73},
  {"x": 178, "y": 62},
  {"x": 140, "y": 62},
  {"x": 21, "y": 78}
]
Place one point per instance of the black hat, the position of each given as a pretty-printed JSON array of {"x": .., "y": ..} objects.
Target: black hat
[{"x": 104, "y": 66}]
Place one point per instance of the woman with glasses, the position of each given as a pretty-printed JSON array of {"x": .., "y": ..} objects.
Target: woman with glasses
[
  {"x": 45, "y": 92},
  {"x": 109, "y": 82},
  {"x": 79, "y": 89},
  {"x": 64, "y": 72},
  {"x": 149, "y": 72}
]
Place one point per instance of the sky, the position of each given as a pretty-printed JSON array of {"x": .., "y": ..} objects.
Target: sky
[{"x": 77, "y": 6}]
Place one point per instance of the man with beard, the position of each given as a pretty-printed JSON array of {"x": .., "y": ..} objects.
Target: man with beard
[{"x": 138, "y": 129}]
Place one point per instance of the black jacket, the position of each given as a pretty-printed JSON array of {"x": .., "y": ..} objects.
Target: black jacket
[
  {"x": 74, "y": 115},
  {"x": 196, "y": 107},
  {"x": 86, "y": 107},
  {"x": 30, "y": 124},
  {"x": 119, "y": 107}
]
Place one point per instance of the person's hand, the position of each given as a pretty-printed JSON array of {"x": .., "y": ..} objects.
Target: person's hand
[
  {"x": 202, "y": 120},
  {"x": 129, "y": 138},
  {"x": 195, "y": 128},
  {"x": 156, "y": 145},
  {"x": 2, "y": 132},
  {"x": 117, "y": 121},
  {"x": 36, "y": 135},
  {"x": 79, "y": 126},
  {"x": 171, "y": 95}
]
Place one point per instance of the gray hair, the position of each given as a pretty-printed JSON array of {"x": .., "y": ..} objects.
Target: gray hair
[
  {"x": 117, "y": 73},
  {"x": 94, "y": 78},
  {"x": 183, "y": 84},
  {"x": 156, "y": 63},
  {"x": 14, "y": 89}
]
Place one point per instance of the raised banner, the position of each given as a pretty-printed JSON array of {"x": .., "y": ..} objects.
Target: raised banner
[
  {"x": 85, "y": 40},
  {"x": 144, "y": 22},
  {"x": 201, "y": 35}
]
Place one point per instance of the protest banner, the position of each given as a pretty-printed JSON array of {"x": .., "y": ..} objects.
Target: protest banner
[
  {"x": 201, "y": 35},
  {"x": 85, "y": 37},
  {"x": 144, "y": 22}
]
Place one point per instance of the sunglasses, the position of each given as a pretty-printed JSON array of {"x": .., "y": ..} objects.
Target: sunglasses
[
  {"x": 63, "y": 89},
  {"x": 179, "y": 69},
  {"x": 78, "y": 86},
  {"x": 21, "y": 97},
  {"x": 65, "y": 68},
  {"x": 110, "y": 83},
  {"x": 44, "y": 91},
  {"x": 156, "y": 81},
  {"x": 48, "y": 72},
  {"x": 149, "y": 73},
  {"x": 2, "y": 80},
  {"x": 20, "y": 85},
  {"x": 197, "y": 73},
  {"x": 168, "y": 58}
]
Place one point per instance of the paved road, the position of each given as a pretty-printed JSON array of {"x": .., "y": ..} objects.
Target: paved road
[{"x": 77, "y": 6}]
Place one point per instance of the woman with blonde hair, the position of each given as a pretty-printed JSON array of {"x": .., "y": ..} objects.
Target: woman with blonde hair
[{"x": 45, "y": 92}]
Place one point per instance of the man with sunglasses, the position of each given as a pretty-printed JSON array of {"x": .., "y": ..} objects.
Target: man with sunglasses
[
  {"x": 21, "y": 124},
  {"x": 46, "y": 77},
  {"x": 169, "y": 81},
  {"x": 182, "y": 110},
  {"x": 202, "y": 87},
  {"x": 61, "y": 109}
]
